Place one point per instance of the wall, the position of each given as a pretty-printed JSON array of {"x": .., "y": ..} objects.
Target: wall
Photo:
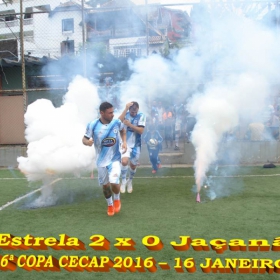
[
  {"x": 12, "y": 120},
  {"x": 236, "y": 152}
]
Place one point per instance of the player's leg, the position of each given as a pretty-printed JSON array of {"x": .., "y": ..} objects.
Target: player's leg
[
  {"x": 103, "y": 179},
  {"x": 124, "y": 168},
  {"x": 134, "y": 159},
  {"x": 153, "y": 159},
  {"x": 158, "y": 159},
  {"x": 114, "y": 171}
]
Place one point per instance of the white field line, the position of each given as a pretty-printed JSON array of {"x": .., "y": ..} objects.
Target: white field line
[
  {"x": 13, "y": 179},
  {"x": 153, "y": 177},
  {"x": 26, "y": 195},
  {"x": 210, "y": 176},
  {"x": 160, "y": 177}
]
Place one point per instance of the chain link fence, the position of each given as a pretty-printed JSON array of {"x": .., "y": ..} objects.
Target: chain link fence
[{"x": 44, "y": 44}]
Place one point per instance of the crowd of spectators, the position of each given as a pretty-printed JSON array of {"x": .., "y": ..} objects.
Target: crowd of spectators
[
  {"x": 172, "y": 121},
  {"x": 175, "y": 123},
  {"x": 264, "y": 128}
]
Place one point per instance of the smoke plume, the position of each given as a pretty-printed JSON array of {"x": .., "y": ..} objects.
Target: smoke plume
[
  {"x": 54, "y": 135},
  {"x": 234, "y": 54}
]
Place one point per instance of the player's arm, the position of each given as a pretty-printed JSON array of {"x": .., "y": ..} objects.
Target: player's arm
[
  {"x": 122, "y": 115},
  {"x": 87, "y": 141},
  {"x": 137, "y": 129},
  {"x": 123, "y": 137}
]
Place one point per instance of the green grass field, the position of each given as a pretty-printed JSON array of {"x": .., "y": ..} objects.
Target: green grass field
[{"x": 162, "y": 206}]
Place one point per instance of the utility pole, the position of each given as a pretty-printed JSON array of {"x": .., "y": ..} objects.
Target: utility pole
[
  {"x": 147, "y": 28},
  {"x": 84, "y": 41},
  {"x": 22, "y": 58}
]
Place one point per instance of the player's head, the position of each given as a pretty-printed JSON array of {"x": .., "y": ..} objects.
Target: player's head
[
  {"x": 133, "y": 110},
  {"x": 106, "y": 111}
]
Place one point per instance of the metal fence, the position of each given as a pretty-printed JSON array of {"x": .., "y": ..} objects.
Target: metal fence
[{"x": 34, "y": 35}]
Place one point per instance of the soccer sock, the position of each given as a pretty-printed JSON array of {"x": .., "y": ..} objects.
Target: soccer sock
[
  {"x": 123, "y": 172},
  {"x": 109, "y": 201},
  {"x": 132, "y": 173},
  {"x": 117, "y": 196}
]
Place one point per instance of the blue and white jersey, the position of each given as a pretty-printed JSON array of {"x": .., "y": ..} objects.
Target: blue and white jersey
[
  {"x": 106, "y": 139},
  {"x": 133, "y": 139}
]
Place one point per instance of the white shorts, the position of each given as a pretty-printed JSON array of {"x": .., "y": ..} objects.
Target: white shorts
[
  {"x": 109, "y": 174},
  {"x": 133, "y": 154}
]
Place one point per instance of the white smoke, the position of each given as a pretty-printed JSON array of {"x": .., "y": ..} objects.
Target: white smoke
[
  {"x": 250, "y": 56},
  {"x": 54, "y": 135},
  {"x": 157, "y": 78},
  {"x": 236, "y": 58}
]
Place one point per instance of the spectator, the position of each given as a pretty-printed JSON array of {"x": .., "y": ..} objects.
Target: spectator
[
  {"x": 160, "y": 110},
  {"x": 168, "y": 127},
  {"x": 154, "y": 108},
  {"x": 191, "y": 121},
  {"x": 178, "y": 113},
  {"x": 273, "y": 126},
  {"x": 154, "y": 118}
]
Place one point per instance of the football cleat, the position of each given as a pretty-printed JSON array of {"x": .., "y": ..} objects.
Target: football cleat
[
  {"x": 117, "y": 205},
  {"x": 129, "y": 186},
  {"x": 123, "y": 185},
  {"x": 111, "y": 210}
]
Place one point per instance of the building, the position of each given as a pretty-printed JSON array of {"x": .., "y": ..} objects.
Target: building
[
  {"x": 55, "y": 28},
  {"x": 126, "y": 29},
  {"x": 51, "y": 28}
]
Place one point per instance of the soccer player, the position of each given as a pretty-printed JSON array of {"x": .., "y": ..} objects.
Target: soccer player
[
  {"x": 105, "y": 134},
  {"x": 153, "y": 140},
  {"x": 135, "y": 123}
]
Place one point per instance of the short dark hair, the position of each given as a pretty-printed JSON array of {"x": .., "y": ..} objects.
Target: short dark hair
[
  {"x": 104, "y": 106},
  {"x": 134, "y": 103}
]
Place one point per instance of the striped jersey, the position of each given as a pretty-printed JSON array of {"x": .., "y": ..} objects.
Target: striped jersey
[
  {"x": 106, "y": 139},
  {"x": 133, "y": 139}
]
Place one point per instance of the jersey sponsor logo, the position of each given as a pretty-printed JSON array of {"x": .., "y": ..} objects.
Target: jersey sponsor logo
[{"x": 108, "y": 142}]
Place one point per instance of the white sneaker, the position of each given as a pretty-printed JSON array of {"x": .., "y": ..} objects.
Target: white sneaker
[
  {"x": 123, "y": 185},
  {"x": 129, "y": 186}
]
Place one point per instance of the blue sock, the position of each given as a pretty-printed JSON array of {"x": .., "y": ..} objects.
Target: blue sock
[
  {"x": 132, "y": 173},
  {"x": 123, "y": 172}
]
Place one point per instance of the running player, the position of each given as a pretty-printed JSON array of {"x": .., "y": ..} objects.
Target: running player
[
  {"x": 105, "y": 133},
  {"x": 135, "y": 123}
]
